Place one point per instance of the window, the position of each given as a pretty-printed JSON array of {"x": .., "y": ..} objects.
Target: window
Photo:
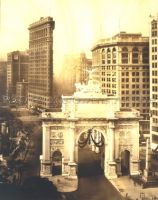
[
  {"x": 135, "y": 55},
  {"x": 145, "y": 55},
  {"x": 154, "y": 24},
  {"x": 124, "y": 55},
  {"x": 154, "y": 33},
  {"x": 103, "y": 56},
  {"x": 108, "y": 56},
  {"x": 114, "y": 55}
]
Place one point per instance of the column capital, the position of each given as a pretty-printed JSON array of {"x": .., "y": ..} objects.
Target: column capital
[
  {"x": 72, "y": 125},
  {"x": 111, "y": 125}
]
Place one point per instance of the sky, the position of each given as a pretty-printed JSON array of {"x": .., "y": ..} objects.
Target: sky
[{"x": 78, "y": 23}]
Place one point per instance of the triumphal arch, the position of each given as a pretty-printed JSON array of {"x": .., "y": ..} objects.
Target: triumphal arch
[{"x": 89, "y": 116}]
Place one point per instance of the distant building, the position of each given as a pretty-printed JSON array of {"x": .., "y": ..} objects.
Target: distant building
[
  {"x": 123, "y": 70},
  {"x": 3, "y": 79},
  {"x": 74, "y": 70},
  {"x": 22, "y": 92},
  {"x": 154, "y": 82},
  {"x": 17, "y": 70},
  {"x": 40, "y": 81}
]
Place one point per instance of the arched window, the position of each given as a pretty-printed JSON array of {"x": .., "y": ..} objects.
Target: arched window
[
  {"x": 154, "y": 28},
  {"x": 124, "y": 55},
  {"x": 145, "y": 55},
  {"x": 108, "y": 56},
  {"x": 103, "y": 56},
  {"x": 56, "y": 163},
  {"x": 114, "y": 55},
  {"x": 125, "y": 162},
  {"x": 135, "y": 53}
]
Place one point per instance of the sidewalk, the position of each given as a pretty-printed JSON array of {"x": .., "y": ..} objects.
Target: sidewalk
[
  {"x": 128, "y": 188},
  {"x": 64, "y": 184}
]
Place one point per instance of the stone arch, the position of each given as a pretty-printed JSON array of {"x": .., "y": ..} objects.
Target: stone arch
[
  {"x": 80, "y": 132},
  {"x": 104, "y": 154},
  {"x": 56, "y": 162}
]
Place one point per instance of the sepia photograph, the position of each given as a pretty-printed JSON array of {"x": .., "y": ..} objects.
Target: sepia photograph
[{"x": 79, "y": 100}]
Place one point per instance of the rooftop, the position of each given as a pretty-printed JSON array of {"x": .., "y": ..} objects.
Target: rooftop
[
  {"x": 41, "y": 22},
  {"x": 121, "y": 37}
]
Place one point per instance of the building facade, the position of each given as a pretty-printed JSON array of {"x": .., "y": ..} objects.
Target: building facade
[
  {"x": 90, "y": 111},
  {"x": 40, "y": 79},
  {"x": 154, "y": 82},
  {"x": 122, "y": 64},
  {"x": 22, "y": 92},
  {"x": 17, "y": 70},
  {"x": 74, "y": 70},
  {"x": 3, "y": 79}
]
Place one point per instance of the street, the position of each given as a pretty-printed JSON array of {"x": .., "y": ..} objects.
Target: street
[{"x": 92, "y": 183}]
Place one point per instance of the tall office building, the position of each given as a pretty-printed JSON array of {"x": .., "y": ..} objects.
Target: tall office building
[
  {"x": 123, "y": 70},
  {"x": 17, "y": 70},
  {"x": 3, "y": 79},
  {"x": 154, "y": 82},
  {"x": 40, "y": 79}
]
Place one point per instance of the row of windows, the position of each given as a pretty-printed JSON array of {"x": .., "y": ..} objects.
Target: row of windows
[
  {"x": 135, "y": 73},
  {"x": 108, "y": 91},
  {"x": 136, "y": 68},
  {"x": 109, "y": 85},
  {"x": 142, "y": 100},
  {"x": 125, "y": 54},
  {"x": 135, "y": 79},
  {"x": 109, "y": 68}
]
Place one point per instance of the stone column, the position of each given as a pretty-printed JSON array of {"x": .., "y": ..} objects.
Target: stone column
[
  {"x": 97, "y": 140},
  {"x": 112, "y": 140},
  {"x": 147, "y": 172},
  {"x": 72, "y": 164},
  {"x": 45, "y": 162},
  {"x": 46, "y": 143},
  {"x": 71, "y": 141},
  {"x": 92, "y": 143},
  {"x": 3, "y": 128},
  {"x": 111, "y": 164}
]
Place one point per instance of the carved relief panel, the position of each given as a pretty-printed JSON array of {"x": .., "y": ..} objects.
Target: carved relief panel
[{"x": 56, "y": 138}]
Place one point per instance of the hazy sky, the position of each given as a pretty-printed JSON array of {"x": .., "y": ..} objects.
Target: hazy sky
[{"x": 79, "y": 23}]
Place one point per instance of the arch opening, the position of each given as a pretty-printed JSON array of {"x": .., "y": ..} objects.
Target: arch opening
[
  {"x": 91, "y": 153},
  {"x": 125, "y": 162},
  {"x": 56, "y": 163}
]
